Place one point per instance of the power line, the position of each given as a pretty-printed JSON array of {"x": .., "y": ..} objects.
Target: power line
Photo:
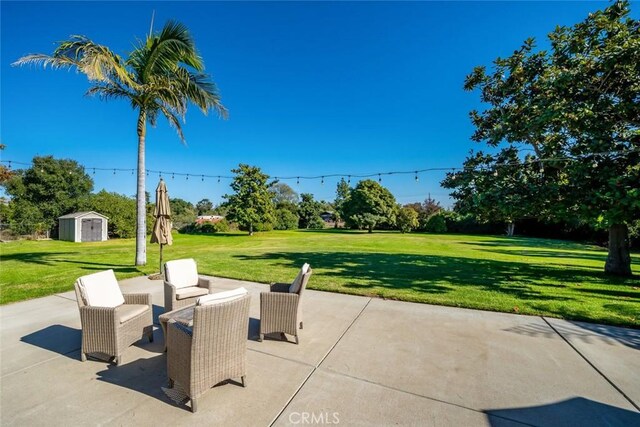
[{"x": 349, "y": 176}]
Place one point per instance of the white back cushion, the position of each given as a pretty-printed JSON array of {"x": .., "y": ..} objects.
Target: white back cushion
[
  {"x": 182, "y": 273},
  {"x": 295, "y": 286},
  {"x": 220, "y": 297},
  {"x": 101, "y": 289}
]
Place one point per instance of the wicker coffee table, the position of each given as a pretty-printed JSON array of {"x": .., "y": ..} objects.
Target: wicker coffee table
[{"x": 183, "y": 316}]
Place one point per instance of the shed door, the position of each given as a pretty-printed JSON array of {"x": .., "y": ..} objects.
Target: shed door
[{"x": 91, "y": 230}]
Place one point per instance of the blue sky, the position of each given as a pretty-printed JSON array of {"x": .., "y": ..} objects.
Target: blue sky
[{"x": 312, "y": 88}]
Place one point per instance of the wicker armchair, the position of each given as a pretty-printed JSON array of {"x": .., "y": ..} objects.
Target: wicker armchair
[
  {"x": 111, "y": 330},
  {"x": 213, "y": 350},
  {"x": 280, "y": 309},
  {"x": 182, "y": 284}
]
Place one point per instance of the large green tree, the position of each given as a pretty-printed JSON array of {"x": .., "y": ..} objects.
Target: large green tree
[
  {"x": 161, "y": 76},
  {"x": 499, "y": 188},
  {"x": 120, "y": 209},
  {"x": 48, "y": 189},
  {"x": 577, "y": 106},
  {"x": 343, "y": 192},
  {"x": 204, "y": 207},
  {"x": 309, "y": 212},
  {"x": 251, "y": 203},
  {"x": 370, "y": 204}
]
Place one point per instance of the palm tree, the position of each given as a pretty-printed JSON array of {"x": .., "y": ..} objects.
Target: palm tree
[{"x": 161, "y": 75}]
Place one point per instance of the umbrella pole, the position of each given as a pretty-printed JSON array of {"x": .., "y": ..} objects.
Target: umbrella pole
[{"x": 161, "y": 272}]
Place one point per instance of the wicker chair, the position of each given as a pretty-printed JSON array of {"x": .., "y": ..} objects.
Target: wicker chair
[
  {"x": 111, "y": 330},
  {"x": 214, "y": 349},
  {"x": 280, "y": 309},
  {"x": 182, "y": 284}
]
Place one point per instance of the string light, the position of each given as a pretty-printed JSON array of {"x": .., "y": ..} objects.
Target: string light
[
  {"x": 453, "y": 174},
  {"x": 187, "y": 177}
]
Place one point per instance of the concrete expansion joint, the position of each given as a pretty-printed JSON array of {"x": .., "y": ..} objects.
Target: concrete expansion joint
[
  {"x": 316, "y": 367},
  {"x": 607, "y": 379},
  {"x": 65, "y": 298},
  {"x": 422, "y": 396},
  {"x": 8, "y": 374}
]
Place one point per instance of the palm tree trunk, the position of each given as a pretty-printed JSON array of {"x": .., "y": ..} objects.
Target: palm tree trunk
[{"x": 141, "y": 208}]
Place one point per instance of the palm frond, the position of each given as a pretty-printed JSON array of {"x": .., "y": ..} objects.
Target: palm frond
[
  {"x": 109, "y": 91},
  {"x": 45, "y": 61},
  {"x": 173, "y": 120},
  {"x": 96, "y": 61}
]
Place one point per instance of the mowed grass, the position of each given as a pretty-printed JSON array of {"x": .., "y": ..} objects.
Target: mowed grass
[{"x": 522, "y": 275}]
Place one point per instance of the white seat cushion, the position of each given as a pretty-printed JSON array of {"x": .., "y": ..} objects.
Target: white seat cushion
[
  {"x": 101, "y": 289},
  {"x": 190, "y": 292},
  {"x": 295, "y": 286},
  {"x": 129, "y": 311},
  {"x": 220, "y": 297},
  {"x": 181, "y": 273}
]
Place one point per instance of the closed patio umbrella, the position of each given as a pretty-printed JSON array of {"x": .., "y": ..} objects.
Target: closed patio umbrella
[{"x": 162, "y": 226}]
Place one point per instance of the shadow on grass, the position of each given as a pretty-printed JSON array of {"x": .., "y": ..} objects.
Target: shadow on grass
[
  {"x": 54, "y": 258},
  {"x": 575, "y": 411},
  {"x": 548, "y": 289},
  {"x": 42, "y": 258}
]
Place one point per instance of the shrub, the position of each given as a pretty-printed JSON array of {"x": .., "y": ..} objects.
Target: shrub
[
  {"x": 436, "y": 224},
  {"x": 407, "y": 219},
  {"x": 285, "y": 220},
  {"x": 222, "y": 226}
]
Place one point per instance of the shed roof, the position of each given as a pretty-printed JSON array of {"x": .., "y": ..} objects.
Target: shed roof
[{"x": 81, "y": 214}]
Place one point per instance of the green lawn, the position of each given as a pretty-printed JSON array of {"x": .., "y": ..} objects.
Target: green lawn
[{"x": 528, "y": 276}]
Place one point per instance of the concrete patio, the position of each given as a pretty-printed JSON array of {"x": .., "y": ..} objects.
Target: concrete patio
[{"x": 361, "y": 361}]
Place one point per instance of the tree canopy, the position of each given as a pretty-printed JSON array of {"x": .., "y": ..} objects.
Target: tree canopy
[
  {"x": 577, "y": 107},
  {"x": 369, "y": 204},
  {"x": 48, "y": 189},
  {"x": 251, "y": 203}
]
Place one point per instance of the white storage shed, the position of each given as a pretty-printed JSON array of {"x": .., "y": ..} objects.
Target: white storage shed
[{"x": 83, "y": 227}]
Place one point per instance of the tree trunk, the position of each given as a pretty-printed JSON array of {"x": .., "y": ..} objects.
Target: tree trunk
[
  {"x": 511, "y": 227},
  {"x": 141, "y": 208},
  {"x": 250, "y": 229},
  {"x": 371, "y": 229},
  {"x": 619, "y": 259}
]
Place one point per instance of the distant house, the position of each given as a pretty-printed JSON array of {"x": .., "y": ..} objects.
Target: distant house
[
  {"x": 201, "y": 219},
  {"x": 83, "y": 227},
  {"x": 327, "y": 216}
]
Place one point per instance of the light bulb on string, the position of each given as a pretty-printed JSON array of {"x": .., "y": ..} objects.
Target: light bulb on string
[
  {"x": 417, "y": 179},
  {"x": 298, "y": 181},
  {"x": 173, "y": 175},
  {"x": 94, "y": 171},
  {"x": 348, "y": 179},
  {"x": 218, "y": 180},
  {"x": 187, "y": 177},
  {"x": 322, "y": 181},
  {"x": 202, "y": 178},
  {"x": 379, "y": 178},
  {"x": 114, "y": 171},
  {"x": 495, "y": 172}
]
